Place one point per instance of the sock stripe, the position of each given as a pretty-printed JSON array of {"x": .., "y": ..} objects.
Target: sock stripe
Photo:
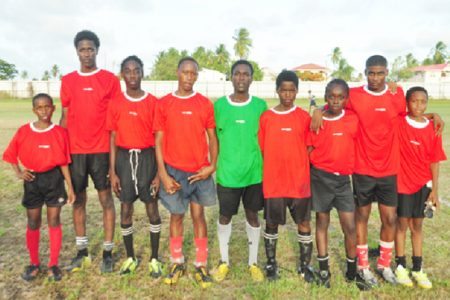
[
  {"x": 270, "y": 236},
  {"x": 127, "y": 231},
  {"x": 108, "y": 246},
  {"x": 155, "y": 228},
  {"x": 81, "y": 242},
  {"x": 322, "y": 258},
  {"x": 306, "y": 239}
]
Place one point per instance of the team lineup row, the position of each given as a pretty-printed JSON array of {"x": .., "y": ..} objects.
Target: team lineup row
[{"x": 269, "y": 159}]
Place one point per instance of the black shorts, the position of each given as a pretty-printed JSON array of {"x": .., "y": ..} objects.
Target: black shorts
[
  {"x": 329, "y": 190},
  {"x": 413, "y": 205},
  {"x": 94, "y": 164},
  {"x": 275, "y": 210},
  {"x": 229, "y": 199},
  {"x": 368, "y": 189},
  {"x": 47, "y": 187},
  {"x": 136, "y": 169}
]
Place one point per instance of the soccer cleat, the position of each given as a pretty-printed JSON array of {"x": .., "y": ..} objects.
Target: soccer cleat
[
  {"x": 387, "y": 275},
  {"x": 107, "y": 265},
  {"x": 221, "y": 272},
  {"x": 176, "y": 271},
  {"x": 129, "y": 266},
  {"x": 307, "y": 273},
  {"x": 54, "y": 273},
  {"x": 422, "y": 279},
  {"x": 365, "y": 280},
  {"x": 324, "y": 278},
  {"x": 31, "y": 272},
  {"x": 155, "y": 268},
  {"x": 272, "y": 271},
  {"x": 256, "y": 273},
  {"x": 402, "y": 276},
  {"x": 78, "y": 263},
  {"x": 202, "y": 277}
]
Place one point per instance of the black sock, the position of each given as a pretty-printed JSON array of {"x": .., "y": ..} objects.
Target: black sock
[
  {"x": 82, "y": 252},
  {"x": 401, "y": 260},
  {"x": 323, "y": 262},
  {"x": 127, "y": 234},
  {"x": 107, "y": 253},
  {"x": 155, "y": 234},
  {"x": 305, "y": 241},
  {"x": 270, "y": 243},
  {"x": 351, "y": 268},
  {"x": 417, "y": 263}
]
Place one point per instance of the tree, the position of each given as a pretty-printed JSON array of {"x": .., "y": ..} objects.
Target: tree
[
  {"x": 336, "y": 55},
  {"x": 7, "y": 71},
  {"x": 166, "y": 63},
  {"x": 343, "y": 69},
  {"x": 411, "y": 61},
  {"x": 243, "y": 43},
  {"x": 204, "y": 57},
  {"x": 46, "y": 75},
  {"x": 222, "y": 61},
  {"x": 440, "y": 53},
  {"x": 24, "y": 75},
  {"x": 55, "y": 71},
  {"x": 257, "y": 72}
]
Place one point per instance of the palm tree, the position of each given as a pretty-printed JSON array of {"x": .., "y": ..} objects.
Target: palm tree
[
  {"x": 243, "y": 43},
  {"x": 411, "y": 61},
  {"x": 336, "y": 55},
  {"x": 55, "y": 71},
  {"x": 440, "y": 53},
  {"x": 24, "y": 74}
]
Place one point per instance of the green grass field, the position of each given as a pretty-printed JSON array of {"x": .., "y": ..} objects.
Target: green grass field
[{"x": 91, "y": 285}]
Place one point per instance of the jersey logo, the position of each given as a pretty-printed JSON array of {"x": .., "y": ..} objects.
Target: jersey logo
[
  {"x": 380, "y": 109},
  {"x": 186, "y": 112},
  {"x": 44, "y": 146},
  {"x": 133, "y": 113},
  {"x": 240, "y": 121},
  {"x": 415, "y": 143},
  {"x": 338, "y": 133},
  {"x": 88, "y": 89},
  {"x": 286, "y": 129}
]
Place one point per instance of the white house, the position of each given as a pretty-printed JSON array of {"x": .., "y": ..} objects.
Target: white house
[
  {"x": 432, "y": 73},
  {"x": 208, "y": 75},
  {"x": 314, "y": 69}
]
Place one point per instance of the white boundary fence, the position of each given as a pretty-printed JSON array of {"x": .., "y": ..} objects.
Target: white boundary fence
[{"x": 263, "y": 89}]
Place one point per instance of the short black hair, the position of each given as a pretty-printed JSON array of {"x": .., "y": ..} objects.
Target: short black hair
[
  {"x": 132, "y": 58},
  {"x": 376, "y": 60},
  {"x": 242, "y": 62},
  {"x": 414, "y": 89},
  {"x": 286, "y": 76},
  {"x": 41, "y": 95},
  {"x": 185, "y": 59},
  {"x": 86, "y": 35},
  {"x": 335, "y": 82}
]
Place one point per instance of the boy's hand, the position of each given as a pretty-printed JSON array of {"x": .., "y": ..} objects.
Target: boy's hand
[
  {"x": 115, "y": 183},
  {"x": 154, "y": 187},
  {"x": 202, "y": 174},
  {"x": 26, "y": 175},
  {"x": 70, "y": 197},
  {"x": 316, "y": 121},
  {"x": 438, "y": 124},
  {"x": 170, "y": 185},
  {"x": 434, "y": 199},
  {"x": 392, "y": 86}
]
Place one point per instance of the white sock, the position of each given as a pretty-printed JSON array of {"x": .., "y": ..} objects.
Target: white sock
[
  {"x": 253, "y": 234},
  {"x": 224, "y": 233}
]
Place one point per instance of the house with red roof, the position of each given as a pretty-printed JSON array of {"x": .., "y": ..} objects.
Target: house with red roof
[
  {"x": 312, "y": 72},
  {"x": 432, "y": 73}
]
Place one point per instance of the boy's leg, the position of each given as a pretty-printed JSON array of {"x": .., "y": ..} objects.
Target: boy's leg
[
  {"x": 400, "y": 239},
  {"x": 347, "y": 220},
  {"x": 200, "y": 234},
  {"x": 388, "y": 215},
  {"x": 253, "y": 202},
  {"x": 224, "y": 227},
  {"x": 126, "y": 224},
  {"x": 33, "y": 234},
  {"x": 270, "y": 244},
  {"x": 155, "y": 266},
  {"x": 79, "y": 223},
  {"x": 109, "y": 218},
  {"x": 415, "y": 225},
  {"x": 322, "y": 223},
  {"x": 55, "y": 234}
]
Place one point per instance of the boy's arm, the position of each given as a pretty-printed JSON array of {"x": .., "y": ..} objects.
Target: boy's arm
[
  {"x": 115, "y": 181},
  {"x": 23, "y": 174},
  {"x": 433, "y": 197},
  {"x": 205, "y": 172},
  {"x": 317, "y": 120},
  {"x": 70, "y": 191},
  {"x": 63, "y": 120},
  {"x": 438, "y": 122},
  {"x": 170, "y": 184}
]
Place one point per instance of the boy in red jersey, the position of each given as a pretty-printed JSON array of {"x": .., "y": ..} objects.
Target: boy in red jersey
[
  {"x": 181, "y": 120},
  {"x": 286, "y": 181},
  {"x": 132, "y": 160},
  {"x": 84, "y": 96},
  {"x": 43, "y": 150},
  {"x": 420, "y": 154},
  {"x": 332, "y": 157}
]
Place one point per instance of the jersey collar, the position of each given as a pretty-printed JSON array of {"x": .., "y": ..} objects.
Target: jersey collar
[
  {"x": 88, "y": 73},
  {"x": 128, "y": 97},
  {"x": 335, "y": 118},
  {"x": 41, "y": 130},
  {"x": 231, "y": 102},
  {"x": 284, "y": 112},
  {"x": 184, "y": 97},
  {"x": 415, "y": 124},
  {"x": 366, "y": 89}
]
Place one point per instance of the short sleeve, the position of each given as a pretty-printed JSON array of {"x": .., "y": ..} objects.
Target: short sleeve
[
  {"x": 64, "y": 93},
  {"x": 160, "y": 118},
  {"x": 210, "y": 121},
  {"x": 11, "y": 152}
]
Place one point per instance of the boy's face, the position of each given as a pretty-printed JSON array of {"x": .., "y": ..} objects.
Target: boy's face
[
  {"x": 187, "y": 76},
  {"x": 376, "y": 78},
  {"x": 43, "y": 108},
  {"x": 87, "y": 53},
  {"x": 417, "y": 104},
  {"x": 336, "y": 98},
  {"x": 241, "y": 78},
  {"x": 132, "y": 74},
  {"x": 287, "y": 92}
]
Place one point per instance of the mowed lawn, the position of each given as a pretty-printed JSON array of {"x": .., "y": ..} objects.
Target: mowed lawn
[{"x": 91, "y": 284}]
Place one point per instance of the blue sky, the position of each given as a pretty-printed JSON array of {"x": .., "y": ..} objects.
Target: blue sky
[{"x": 286, "y": 33}]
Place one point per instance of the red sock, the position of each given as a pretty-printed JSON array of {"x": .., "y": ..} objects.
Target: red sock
[
  {"x": 32, "y": 237},
  {"x": 362, "y": 251},
  {"x": 176, "y": 249},
  {"x": 55, "y": 239},
  {"x": 201, "y": 251},
  {"x": 384, "y": 261}
]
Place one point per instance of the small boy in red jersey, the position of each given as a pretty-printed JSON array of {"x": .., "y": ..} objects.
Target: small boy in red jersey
[
  {"x": 420, "y": 154},
  {"x": 43, "y": 150},
  {"x": 132, "y": 160},
  {"x": 286, "y": 181}
]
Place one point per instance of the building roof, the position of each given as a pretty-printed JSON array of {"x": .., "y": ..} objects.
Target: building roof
[
  {"x": 309, "y": 67},
  {"x": 438, "y": 67}
]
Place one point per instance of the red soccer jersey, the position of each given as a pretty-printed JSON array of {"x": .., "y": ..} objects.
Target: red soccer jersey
[
  {"x": 39, "y": 150},
  {"x": 132, "y": 119},
  {"x": 419, "y": 147},
  {"x": 86, "y": 97},
  {"x": 377, "y": 152},
  {"x": 334, "y": 146},
  {"x": 282, "y": 138},
  {"x": 183, "y": 121}
]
